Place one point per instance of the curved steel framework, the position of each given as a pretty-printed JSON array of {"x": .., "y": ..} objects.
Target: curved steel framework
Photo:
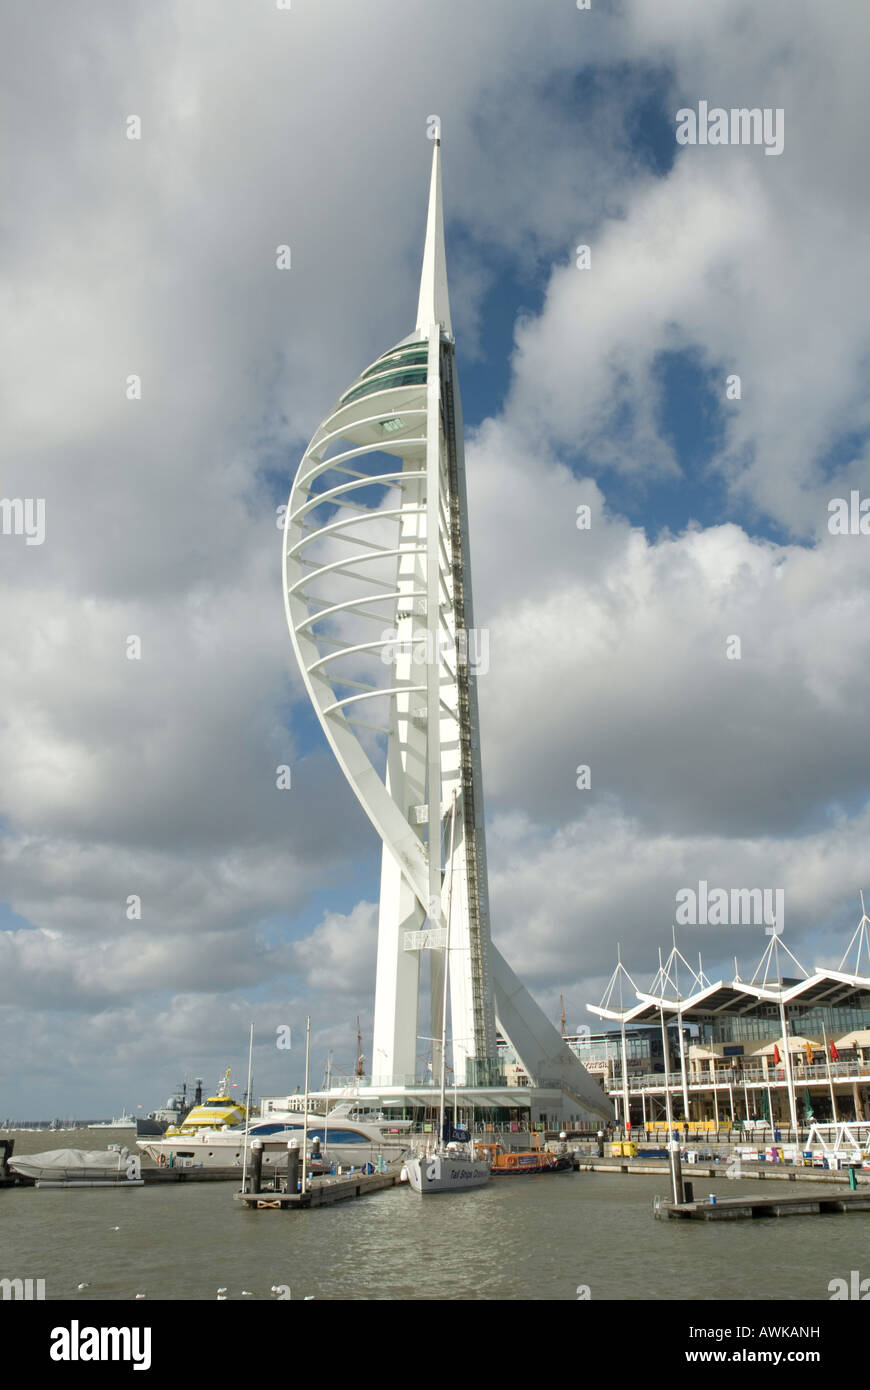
[{"x": 378, "y": 600}]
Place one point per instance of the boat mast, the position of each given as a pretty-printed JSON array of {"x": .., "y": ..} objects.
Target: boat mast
[
  {"x": 248, "y": 1108},
  {"x": 446, "y": 974},
  {"x": 305, "y": 1119}
]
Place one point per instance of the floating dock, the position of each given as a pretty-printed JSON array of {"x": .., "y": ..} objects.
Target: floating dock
[
  {"x": 322, "y": 1192},
  {"x": 749, "y": 1172},
  {"x": 746, "y": 1208}
]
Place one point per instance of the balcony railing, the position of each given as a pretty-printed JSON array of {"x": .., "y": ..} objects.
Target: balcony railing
[
  {"x": 487, "y": 1080},
  {"x": 749, "y": 1076}
]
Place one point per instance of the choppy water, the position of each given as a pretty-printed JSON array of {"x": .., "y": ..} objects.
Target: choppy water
[{"x": 525, "y": 1238}]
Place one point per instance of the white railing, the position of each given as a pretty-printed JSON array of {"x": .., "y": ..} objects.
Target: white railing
[{"x": 749, "y": 1076}]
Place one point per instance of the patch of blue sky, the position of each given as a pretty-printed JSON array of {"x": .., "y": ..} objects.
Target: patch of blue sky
[
  {"x": 358, "y": 882},
  {"x": 640, "y": 95},
  {"x": 484, "y": 377},
  {"x": 844, "y": 450},
  {"x": 846, "y": 806},
  {"x": 690, "y": 418},
  {"x": 650, "y": 123},
  {"x": 12, "y": 921},
  {"x": 299, "y": 718}
]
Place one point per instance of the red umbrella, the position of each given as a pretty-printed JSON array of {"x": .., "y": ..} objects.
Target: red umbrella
[
  {"x": 835, "y": 1056},
  {"x": 775, "y": 1055}
]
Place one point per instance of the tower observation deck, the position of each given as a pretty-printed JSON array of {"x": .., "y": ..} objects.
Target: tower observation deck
[{"x": 377, "y": 590}]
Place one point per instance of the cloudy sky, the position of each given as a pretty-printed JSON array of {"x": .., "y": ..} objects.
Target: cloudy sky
[{"x": 603, "y": 386}]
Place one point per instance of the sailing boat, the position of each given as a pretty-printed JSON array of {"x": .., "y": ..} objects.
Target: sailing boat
[{"x": 450, "y": 1166}]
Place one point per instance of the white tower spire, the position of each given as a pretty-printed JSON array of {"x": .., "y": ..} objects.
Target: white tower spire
[
  {"x": 434, "y": 302},
  {"x": 377, "y": 584}
]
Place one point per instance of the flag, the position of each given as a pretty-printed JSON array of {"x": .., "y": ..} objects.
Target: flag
[
  {"x": 456, "y": 1136},
  {"x": 835, "y": 1056},
  {"x": 776, "y": 1058}
]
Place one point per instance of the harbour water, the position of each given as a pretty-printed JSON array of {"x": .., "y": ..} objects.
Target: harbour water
[{"x": 538, "y": 1238}]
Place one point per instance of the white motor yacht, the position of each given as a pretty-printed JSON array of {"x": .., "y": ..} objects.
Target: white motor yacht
[{"x": 343, "y": 1140}]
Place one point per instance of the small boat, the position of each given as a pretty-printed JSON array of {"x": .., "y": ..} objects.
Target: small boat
[
  {"x": 115, "y": 1167},
  {"x": 536, "y": 1160}
]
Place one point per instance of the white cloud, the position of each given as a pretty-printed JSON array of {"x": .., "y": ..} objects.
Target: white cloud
[
  {"x": 563, "y": 901},
  {"x": 756, "y": 263},
  {"x": 338, "y": 956}
]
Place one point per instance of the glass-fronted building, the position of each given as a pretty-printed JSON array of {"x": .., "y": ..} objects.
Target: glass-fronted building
[{"x": 787, "y": 1055}]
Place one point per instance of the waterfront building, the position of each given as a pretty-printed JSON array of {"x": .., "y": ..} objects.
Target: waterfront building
[
  {"x": 377, "y": 584},
  {"x": 781, "y": 1049}
]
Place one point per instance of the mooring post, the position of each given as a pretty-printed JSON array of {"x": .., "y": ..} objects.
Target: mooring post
[
  {"x": 676, "y": 1173},
  {"x": 256, "y": 1165},
  {"x": 293, "y": 1165}
]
